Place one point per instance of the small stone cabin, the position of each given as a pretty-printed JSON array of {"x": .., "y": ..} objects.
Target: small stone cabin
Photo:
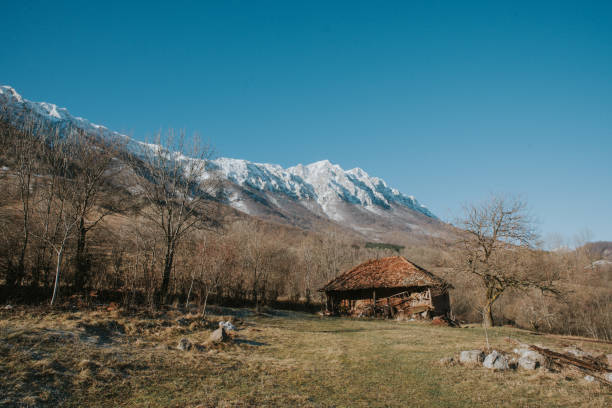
[{"x": 391, "y": 287}]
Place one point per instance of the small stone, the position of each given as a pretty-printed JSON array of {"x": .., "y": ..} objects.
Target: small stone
[
  {"x": 589, "y": 378},
  {"x": 446, "y": 361},
  {"x": 496, "y": 361},
  {"x": 471, "y": 356},
  {"x": 608, "y": 377},
  {"x": 227, "y": 325},
  {"x": 184, "y": 344},
  {"x": 218, "y": 335}
]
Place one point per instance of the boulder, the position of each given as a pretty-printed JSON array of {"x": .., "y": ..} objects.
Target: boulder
[
  {"x": 496, "y": 361},
  {"x": 218, "y": 335},
  {"x": 184, "y": 344},
  {"x": 529, "y": 359},
  {"x": 528, "y": 364},
  {"x": 471, "y": 357},
  {"x": 535, "y": 356}
]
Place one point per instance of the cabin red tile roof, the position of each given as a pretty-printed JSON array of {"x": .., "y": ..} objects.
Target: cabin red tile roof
[{"x": 391, "y": 272}]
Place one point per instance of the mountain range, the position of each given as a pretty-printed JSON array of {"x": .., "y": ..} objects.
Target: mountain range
[{"x": 313, "y": 196}]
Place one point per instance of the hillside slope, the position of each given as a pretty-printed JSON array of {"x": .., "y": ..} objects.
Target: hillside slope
[{"x": 314, "y": 196}]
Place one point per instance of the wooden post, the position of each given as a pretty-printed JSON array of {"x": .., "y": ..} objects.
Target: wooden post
[{"x": 374, "y": 302}]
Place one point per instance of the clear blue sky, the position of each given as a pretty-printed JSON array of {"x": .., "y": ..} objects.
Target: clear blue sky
[{"x": 448, "y": 101}]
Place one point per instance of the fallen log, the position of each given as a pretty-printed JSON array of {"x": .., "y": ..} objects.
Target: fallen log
[
  {"x": 590, "y": 366},
  {"x": 587, "y": 363}
]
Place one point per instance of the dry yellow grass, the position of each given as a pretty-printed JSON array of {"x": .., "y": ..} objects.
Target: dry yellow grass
[{"x": 99, "y": 359}]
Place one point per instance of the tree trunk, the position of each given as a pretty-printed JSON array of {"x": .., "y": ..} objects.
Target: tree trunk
[
  {"x": 189, "y": 293},
  {"x": 13, "y": 278},
  {"x": 487, "y": 316},
  {"x": 255, "y": 299},
  {"x": 80, "y": 278},
  {"x": 205, "y": 302},
  {"x": 163, "y": 292},
  {"x": 21, "y": 266},
  {"x": 57, "y": 275}
]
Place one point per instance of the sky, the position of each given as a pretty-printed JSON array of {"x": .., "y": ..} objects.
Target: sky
[{"x": 447, "y": 101}]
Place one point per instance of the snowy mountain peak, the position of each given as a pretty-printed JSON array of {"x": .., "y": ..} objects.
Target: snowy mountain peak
[
  {"x": 10, "y": 93},
  {"x": 320, "y": 186},
  {"x": 323, "y": 182}
]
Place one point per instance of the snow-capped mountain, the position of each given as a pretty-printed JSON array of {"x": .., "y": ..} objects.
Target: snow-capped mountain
[
  {"x": 302, "y": 195},
  {"x": 19, "y": 109},
  {"x": 325, "y": 183}
]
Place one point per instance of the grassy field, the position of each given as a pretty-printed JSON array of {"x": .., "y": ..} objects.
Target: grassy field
[{"x": 111, "y": 359}]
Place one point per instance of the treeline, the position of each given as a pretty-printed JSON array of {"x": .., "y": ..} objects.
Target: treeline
[
  {"x": 83, "y": 220},
  {"x": 80, "y": 216}
]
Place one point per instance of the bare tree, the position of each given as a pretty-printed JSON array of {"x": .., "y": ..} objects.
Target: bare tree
[
  {"x": 23, "y": 147},
  {"x": 253, "y": 250},
  {"x": 93, "y": 161},
  {"x": 181, "y": 192},
  {"x": 585, "y": 252},
  {"x": 497, "y": 232},
  {"x": 55, "y": 213},
  {"x": 214, "y": 263}
]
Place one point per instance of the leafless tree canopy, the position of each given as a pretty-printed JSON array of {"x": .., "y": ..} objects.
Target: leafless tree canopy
[
  {"x": 182, "y": 193},
  {"x": 497, "y": 248}
]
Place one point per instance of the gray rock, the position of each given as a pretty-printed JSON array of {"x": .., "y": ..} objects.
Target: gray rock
[
  {"x": 184, "y": 344},
  {"x": 535, "y": 356},
  {"x": 608, "y": 377},
  {"x": 218, "y": 335},
  {"x": 528, "y": 364},
  {"x": 589, "y": 378},
  {"x": 496, "y": 361},
  {"x": 522, "y": 350},
  {"x": 529, "y": 359},
  {"x": 471, "y": 356},
  {"x": 227, "y": 325}
]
